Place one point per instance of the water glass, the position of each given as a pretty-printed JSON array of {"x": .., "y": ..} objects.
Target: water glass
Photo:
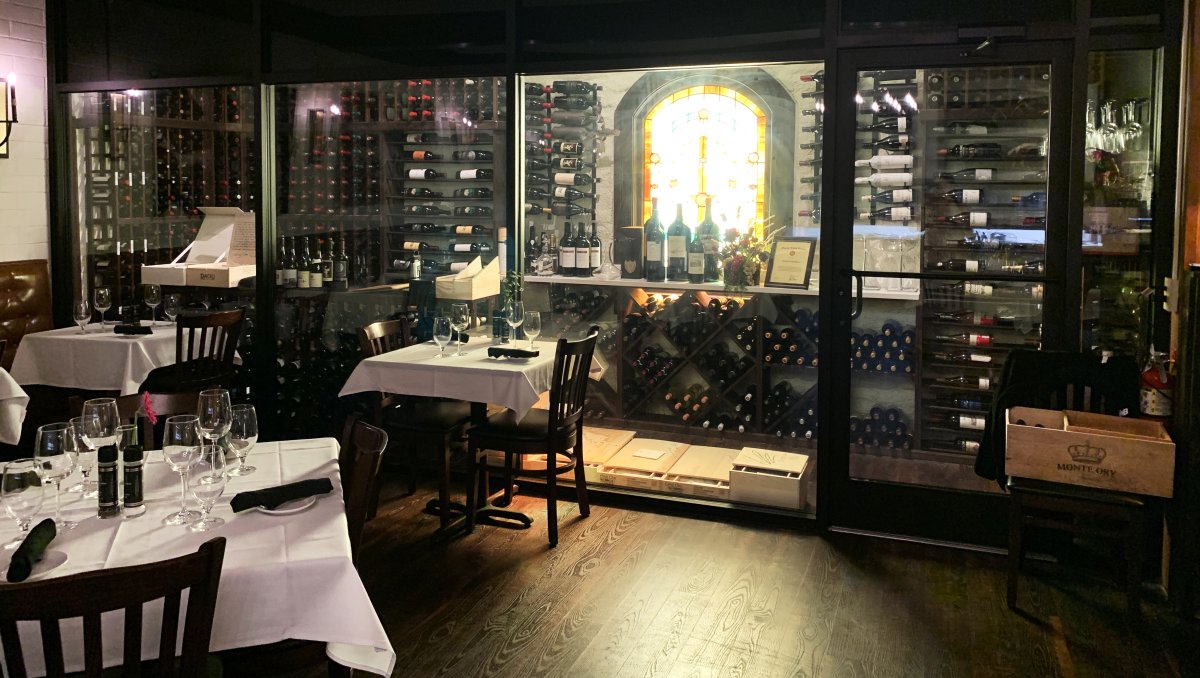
[
  {"x": 102, "y": 300},
  {"x": 82, "y": 312},
  {"x": 85, "y": 459},
  {"x": 460, "y": 320},
  {"x": 152, "y": 296},
  {"x": 441, "y": 334},
  {"x": 127, "y": 434},
  {"x": 216, "y": 414},
  {"x": 181, "y": 447},
  {"x": 172, "y": 304},
  {"x": 533, "y": 326},
  {"x": 514, "y": 316},
  {"x": 55, "y": 449},
  {"x": 21, "y": 492},
  {"x": 243, "y": 434},
  {"x": 207, "y": 482}
]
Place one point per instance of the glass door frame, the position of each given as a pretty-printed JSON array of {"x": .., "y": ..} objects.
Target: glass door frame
[{"x": 927, "y": 512}]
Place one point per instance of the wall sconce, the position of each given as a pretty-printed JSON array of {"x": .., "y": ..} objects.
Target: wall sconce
[{"x": 8, "y": 88}]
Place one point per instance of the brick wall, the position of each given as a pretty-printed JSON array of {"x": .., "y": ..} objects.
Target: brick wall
[{"x": 24, "y": 230}]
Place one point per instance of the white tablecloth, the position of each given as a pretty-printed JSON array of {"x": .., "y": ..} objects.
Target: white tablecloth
[
  {"x": 515, "y": 384},
  {"x": 13, "y": 401},
  {"x": 100, "y": 360},
  {"x": 283, "y": 576}
]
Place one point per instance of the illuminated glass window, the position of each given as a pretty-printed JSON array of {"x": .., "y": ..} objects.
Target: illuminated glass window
[{"x": 706, "y": 141}]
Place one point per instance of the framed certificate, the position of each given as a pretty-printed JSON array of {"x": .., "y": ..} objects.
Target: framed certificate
[{"x": 791, "y": 262}]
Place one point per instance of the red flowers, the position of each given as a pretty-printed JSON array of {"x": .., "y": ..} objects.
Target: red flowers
[{"x": 148, "y": 409}]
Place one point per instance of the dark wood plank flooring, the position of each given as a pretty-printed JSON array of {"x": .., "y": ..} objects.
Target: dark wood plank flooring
[{"x": 635, "y": 593}]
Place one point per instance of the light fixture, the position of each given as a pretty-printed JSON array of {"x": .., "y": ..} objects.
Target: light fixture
[{"x": 10, "y": 111}]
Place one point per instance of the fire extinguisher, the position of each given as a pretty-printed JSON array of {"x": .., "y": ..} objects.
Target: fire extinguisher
[{"x": 1157, "y": 387}]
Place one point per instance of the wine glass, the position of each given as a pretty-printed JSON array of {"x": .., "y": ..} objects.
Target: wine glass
[
  {"x": 441, "y": 334},
  {"x": 243, "y": 433},
  {"x": 533, "y": 326},
  {"x": 21, "y": 492},
  {"x": 95, "y": 428},
  {"x": 55, "y": 450},
  {"x": 460, "y": 320},
  {"x": 82, "y": 312},
  {"x": 207, "y": 482},
  {"x": 514, "y": 315},
  {"x": 172, "y": 303},
  {"x": 215, "y": 414},
  {"x": 152, "y": 297},
  {"x": 102, "y": 300},
  {"x": 127, "y": 434},
  {"x": 181, "y": 446},
  {"x": 85, "y": 458}
]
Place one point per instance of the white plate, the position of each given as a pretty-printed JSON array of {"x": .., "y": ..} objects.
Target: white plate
[
  {"x": 50, "y": 561},
  {"x": 288, "y": 508}
]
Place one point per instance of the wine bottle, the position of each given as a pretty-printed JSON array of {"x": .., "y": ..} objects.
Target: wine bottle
[
  {"x": 470, "y": 229},
  {"x": 892, "y": 197},
  {"x": 535, "y": 163},
  {"x": 594, "y": 260},
  {"x": 473, "y": 211},
  {"x": 653, "y": 233},
  {"x": 325, "y": 248},
  {"x": 569, "y": 209},
  {"x": 568, "y": 193},
  {"x": 573, "y": 103},
  {"x": 423, "y": 174},
  {"x": 962, "y": 357},
  {"x": 569, "y": 163},
  {"x": 888, "y": 179},
  {"x": 974, "y": 174},
  {"x": 341, "y": 266},
  {"x": 473, "y": 155},
  {"x": 890, "y": 214},
  {"x": 418, "y": 246},
  {"x": 965, "y": 339},
  {"x": 289, "y": 263},
  {"x": 968, "y": 446},
  {"x": 709, "y": 235},
  {"x": 961, "y": 128},
  {"x": 302, "y": 263},
  {"x": 571, "y": 179},
  {"x": 316, "y": 269},
  {"x": 969, "y": 422},
  {"x": 981, "y": 383},
  {"x": 695, "y": 260},
  {"x": 678, "y": 236},
  {"x": 421, "y": 192},
  {"x": 971, "y": 219},
  {"x": 569, "y": 133},
  {"x": 896, "y": 124},
  {"x": 475, "y": 193},
  {"x": 963, "y": 403},
  {"x": 567, "y": 147},
  {"x": 964, "y": 196},
  {"x": 474, "y": 247},
  {"x": 981, "y": 150},
  {"x": 420, "y": 154},
  {"x": 474, "y": 175},
  {"x": 574, "y": 87},
  {"x": 535, "y": 89},
  {"x": 892, "y": 142},
  {"x": 424, "y": 210},
  {"x": 897, "y": 161},
  {"x": 566, "y": 252}
]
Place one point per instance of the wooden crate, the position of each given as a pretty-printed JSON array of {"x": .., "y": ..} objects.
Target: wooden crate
[
  {"x": 1093, "y": 450},
  {"x": 641, "y": 463},
  {"x": 769, "y": 477},
  {"x": 701, "y": 471}
]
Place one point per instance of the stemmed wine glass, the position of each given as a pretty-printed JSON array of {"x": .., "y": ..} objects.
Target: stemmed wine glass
[
  {"x": 127, "y": 434},
  {"x": 207, "y": 483},
  {"x": 55, "y": 450},
  {"x": 243, "y": 434},
  {"x": 152, "y": 296},
  {"x": 441, "y": 334},
  {"x": 514, "y": 316},
  {"x": 94, "y": 428},
  {"x": 172, "y": 303},
  {"x": 22, "y": 493},
  {"x": 215, "y": 413},
  {"x": 82, "y": 312},
  {"x": 533, "y": 326},
  {"x": 460, "y": 320},
  {"x": 181, "y": 446},
  {"x": 102, "y": 300}
]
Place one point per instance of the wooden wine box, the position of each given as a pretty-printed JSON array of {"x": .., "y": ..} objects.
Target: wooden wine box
[
  {"x": 1094, "y": 450},
  {"x": 640, "y": 464},
  {"x": 769, "y": 477},
  {"x": 701, "y": 471},
  {"x": 599, "y": 444}
]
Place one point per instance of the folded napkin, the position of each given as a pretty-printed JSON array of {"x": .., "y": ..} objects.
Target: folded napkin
[
  {"x": 501, "y": 352},
  {"x": 31, "y": 550},
  {"x": 133, "y": 329},
  {"x": 272, "y": 497},
  {"x": 460, "y": 336}
]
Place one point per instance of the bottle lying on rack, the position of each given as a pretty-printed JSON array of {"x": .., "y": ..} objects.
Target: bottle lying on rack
[
  {"x": 474, "y": 174},
  {"x": 955, "y": 420},
  {"x": 473, "y": 155},
  {"x": 883, "y": 162},
  {"x": 896, "y": 196},
  {"x": 473, "y": 211},
  {"x": 475, "y": 247},
  {"x": 421, "y": 192},
  {"x": 964, "y": 381},
  {"x": 425, "y": 210},
  {"x": 885, "y": 179}
]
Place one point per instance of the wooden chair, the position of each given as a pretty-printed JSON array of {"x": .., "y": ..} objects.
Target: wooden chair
[
  {"x": 1058, "y": 381},
  {"x": 557, "y": 433},
  {"x": 163, "y": 404},
  {"x": 205, "y": 346},
  {"x": 362, "y": 451},
  {"x": 422, "y": 423},
  {"x": 91, "y": 594}
]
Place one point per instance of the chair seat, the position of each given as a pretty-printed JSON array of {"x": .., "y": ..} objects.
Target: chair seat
[
  {"x": 193, "y": 375},
  {"x": 428, "y": 416},
  {"x": 529, "y": 431},
  {"x": 1076, "y": 492}
]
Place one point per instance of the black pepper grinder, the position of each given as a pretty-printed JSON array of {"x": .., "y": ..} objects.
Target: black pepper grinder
[
  {"x": 134, "y": 489},
  {"x": 106, "y": 477}
]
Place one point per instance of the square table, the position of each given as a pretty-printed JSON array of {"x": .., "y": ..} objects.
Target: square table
[
  {"x": 100, "y": 360},
  {"x": 13, "y": 401},
  {"x": 283, "y": 576}
]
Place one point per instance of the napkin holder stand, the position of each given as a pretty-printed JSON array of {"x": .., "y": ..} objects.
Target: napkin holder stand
[{"x": 222, "y": 255}]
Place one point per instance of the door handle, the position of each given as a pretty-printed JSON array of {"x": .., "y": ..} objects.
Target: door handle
[{"x": 858, "y": 293}]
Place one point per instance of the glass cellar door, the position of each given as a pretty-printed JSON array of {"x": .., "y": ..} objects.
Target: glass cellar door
[{"x": 948, "y": 265}]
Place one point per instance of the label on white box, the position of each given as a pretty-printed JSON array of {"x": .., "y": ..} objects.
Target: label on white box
[{"x": 646, "y": 453}]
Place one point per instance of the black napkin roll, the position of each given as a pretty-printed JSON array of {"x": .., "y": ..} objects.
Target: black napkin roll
[
  {"x": 133, "y": 329},
  {"x": 272, "y": 497},
  {"x": 502, "y": 352},
  {"x": 460, "y": 336},
  {"x": 31, "y": 550}
]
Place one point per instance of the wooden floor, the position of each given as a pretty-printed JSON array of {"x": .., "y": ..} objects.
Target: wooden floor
[{"x": 634, "y": 593}]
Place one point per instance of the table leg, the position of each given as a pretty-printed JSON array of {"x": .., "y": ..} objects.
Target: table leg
[{"x": 488, "y": 512}]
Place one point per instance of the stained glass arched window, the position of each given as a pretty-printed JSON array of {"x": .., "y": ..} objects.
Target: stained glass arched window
[{"x": 706, "y": 141}]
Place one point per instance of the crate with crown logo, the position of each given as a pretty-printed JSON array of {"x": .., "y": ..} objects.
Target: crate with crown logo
[{"x": 1095, "y": 450}]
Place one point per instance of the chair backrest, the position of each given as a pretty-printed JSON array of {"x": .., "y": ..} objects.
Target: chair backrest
[
  {"x": 163, "y": 404},
  {"x": 359, "y": 460},
  {"x": 25, "y": 303},
  {"x": 90, "y": 594},
  {"x": 383, "y": 336},
  {"x": 1055, "y": 380},
  {"x": 212, "y": 336},
  {"x": 572, "y": 362}
]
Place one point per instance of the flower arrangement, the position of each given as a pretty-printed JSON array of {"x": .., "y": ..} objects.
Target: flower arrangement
[{"x": 744, "y": 258}]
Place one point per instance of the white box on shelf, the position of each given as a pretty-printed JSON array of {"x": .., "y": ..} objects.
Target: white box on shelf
[
  {"x": 476, "y": 281},
  {"x": 222, "y": 255},
  {"x": 769, "y": 477}
]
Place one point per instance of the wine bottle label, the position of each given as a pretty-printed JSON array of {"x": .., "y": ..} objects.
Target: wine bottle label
[
  {"x": 420, "y": 155},
  {"x": 569, "y": 163},
  {"x": 970, "y": 196},
  {"x": 654, "y": 250},
  {"x": 468, "y": 174},
  {"x": 676, "y": 247},
  {"x": 902, "y": 126},
  {"x": 695, "y": 263},
  {"x": 971, "y": 446},
  {"x": 289, "y": 276},
  {"x": 594, "y": 256},
  {"x": 711, "y": 246},
  {"x": 570, "y": 148},
  {"x": 566, "y": 258},
  {"x": 979, "y": 340},
  {"x": 971, "y": 422},
  {"x": 902, "y": 195},
  {"x": 564, "y": 178},
  {"x": 412, "y": 137},
  {"x": 341, "y": 270},
  {"x": 978, "y": 289},
  {"x": 302, "y": 279},
  {"x": 278, "y": 276},
  {"x": 458, "y": 266},
  {"x": 466, "y": 247},
  {"x": 900, "y": 214},
  {"x": 983, "y": 175},
  {"x": 979, "y": 219},
  {"x": 980, "y": 358},
  {"x": 412, "y": 246},
  {"x": 416, "y": 173},
  {"x": 560, "y": 191},
  {"x": 971, "y": 266},
  {"x": 463, "y": 230},
  {"x": 315, "y": 279}
]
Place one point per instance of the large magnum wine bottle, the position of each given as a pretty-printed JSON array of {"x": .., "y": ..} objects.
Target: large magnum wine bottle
[
  {"x": 709, "y": 235},
  {"x": 653, "y": 233},
  {"x": 566, "y": 252},
  {"x": 678, "y": 236}
]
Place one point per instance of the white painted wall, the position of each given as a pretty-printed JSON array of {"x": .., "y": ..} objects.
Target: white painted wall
[{"x": 24, "y": 222}]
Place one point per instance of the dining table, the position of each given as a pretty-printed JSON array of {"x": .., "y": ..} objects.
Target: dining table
[
  {"x": 97, "y": 359},
  {"x": 286, "y": 575},
  {"x": 13, "y": 401}
]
